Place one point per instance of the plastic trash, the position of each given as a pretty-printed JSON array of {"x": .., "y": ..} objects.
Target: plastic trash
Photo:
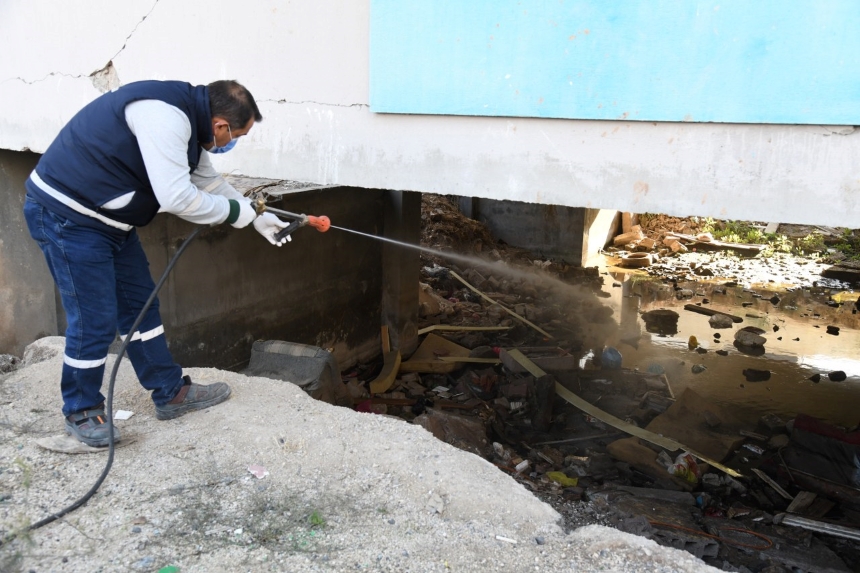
[
  {"x": 561, "y": 478},
  {"x": 685, "y": 467},
  {"x": 610, "y": 358}
]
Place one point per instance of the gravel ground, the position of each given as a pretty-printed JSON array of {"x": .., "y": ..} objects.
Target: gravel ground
[{"x": 341, "y": 491}]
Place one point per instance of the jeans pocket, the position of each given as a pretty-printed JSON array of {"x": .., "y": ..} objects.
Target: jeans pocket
[{"x": 59, "y": 222}]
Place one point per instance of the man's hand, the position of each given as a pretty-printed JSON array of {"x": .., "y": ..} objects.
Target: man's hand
[
  {"x": 241, "y": 213},
  {"x": 268, "y": 225}
]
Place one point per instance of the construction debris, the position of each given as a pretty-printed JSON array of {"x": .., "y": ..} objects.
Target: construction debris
[{"x": 513, "y": 366}]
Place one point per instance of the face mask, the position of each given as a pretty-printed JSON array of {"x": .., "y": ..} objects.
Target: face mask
[{"x": 224, "y": 149}]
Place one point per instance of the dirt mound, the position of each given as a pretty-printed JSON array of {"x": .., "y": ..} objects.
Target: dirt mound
[{"x": 272, "y": 480}]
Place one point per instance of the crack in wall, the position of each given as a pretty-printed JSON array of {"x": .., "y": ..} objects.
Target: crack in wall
[
  {"x": 279, "y": 101},
  {"x": 96, "y": 73},
  {"x": 31, "y": 82},
  {"x": 127, "y": 38}
]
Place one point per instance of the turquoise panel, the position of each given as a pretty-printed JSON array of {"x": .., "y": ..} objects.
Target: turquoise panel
[{"x": 744, "y": 61}]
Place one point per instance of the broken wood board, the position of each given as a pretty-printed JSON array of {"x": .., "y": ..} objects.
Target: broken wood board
[
  {"x": 427, "y": 357},
  {"x": 469, "y": 360},
  {"x": 550, "y": 363},
  {"x": 801, "y": 501},
  {"x": 715, "y": 245},
  {"x": 777, "y": 488},
  {"x": 656, "y": 439},
  {"x": 452, "y": 328},
  {"x": 509, "y": 311},
  {"x": 390, "y": 368},
  {"x": 711, "y": 312}
]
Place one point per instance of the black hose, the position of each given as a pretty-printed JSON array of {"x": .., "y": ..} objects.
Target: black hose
[{"x": 122, "y": 349}]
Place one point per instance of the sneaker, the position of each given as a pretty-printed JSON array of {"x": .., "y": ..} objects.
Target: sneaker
[
  {"x": 193, "y": 397},
  {"x": 91, "y": 427}
]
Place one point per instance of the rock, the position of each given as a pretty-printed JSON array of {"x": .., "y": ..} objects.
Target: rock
[
  {"x": 8, "y": 363},
  {"x": 723, "y": 352},
  {"x": 662, "y": 321},
  {"x": 815, "y": 378},
  {"x": 698, "y": 368},
  {"x": 834, "y": 330},
  {"x": 748, "y": 337},
  {"x": 677, "y": 247},
  {"x": 720, "y": 321},
  {"x": 44, "y": 349},
  {"x": 837, "y": 376},
  {"x": 633, "y": 236},
  {"x": 683, "y": 293},
  {"x": 459, "y": 431},
  {"x": 754, "y": 375}
]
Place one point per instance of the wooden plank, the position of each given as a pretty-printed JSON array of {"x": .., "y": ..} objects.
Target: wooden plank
[
  {"x": 452, "y": 328},
  {"x": 774, "y": 485},
  {"x": 469, "y": 360},
  {"x": 491, "y": 301},
  {"x": 386, "y": 341},
  {"x": 801, "y": 501},
  {"x": 641, "y": 433},
  {"x": 427, "y": 357},
  {"x": 711, "y": 312},
  {"x": 719, "y": 245},
  {"x": 390, "y": 368}
]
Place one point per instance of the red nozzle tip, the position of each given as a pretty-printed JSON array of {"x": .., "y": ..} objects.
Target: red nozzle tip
[{"x": 321, "y": 223}]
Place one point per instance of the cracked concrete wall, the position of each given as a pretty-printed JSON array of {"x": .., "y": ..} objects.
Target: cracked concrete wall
[{"x": 307, "y": 64}]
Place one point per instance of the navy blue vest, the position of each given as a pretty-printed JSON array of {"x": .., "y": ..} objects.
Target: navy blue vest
[{"x": 96, "y": 158}]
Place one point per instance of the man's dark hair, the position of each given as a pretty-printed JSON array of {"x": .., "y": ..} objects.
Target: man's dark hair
[{"x": 232, "y": 101}]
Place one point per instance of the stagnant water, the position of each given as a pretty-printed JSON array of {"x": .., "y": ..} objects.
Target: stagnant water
[
  {"x": 798, "y": 346},
  {"x": 796, "y": 350}
]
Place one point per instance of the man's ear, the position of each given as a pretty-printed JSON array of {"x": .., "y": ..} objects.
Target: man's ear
[{"x": 219, "y": 122}]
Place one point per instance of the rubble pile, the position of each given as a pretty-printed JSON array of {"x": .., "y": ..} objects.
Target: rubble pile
[{"x": 513, "y": 366}]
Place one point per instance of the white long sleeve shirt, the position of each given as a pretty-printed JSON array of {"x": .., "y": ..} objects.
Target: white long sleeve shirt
[{"x": 162, "y": 132}]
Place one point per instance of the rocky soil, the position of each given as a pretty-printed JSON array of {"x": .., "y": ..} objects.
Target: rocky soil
[{"x": 272, "y": 480}]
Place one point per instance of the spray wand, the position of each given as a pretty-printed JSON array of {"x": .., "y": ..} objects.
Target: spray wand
[{"x": 321, "y": 223}]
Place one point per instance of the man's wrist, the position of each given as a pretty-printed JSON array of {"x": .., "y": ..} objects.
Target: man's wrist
[{"x": 235, "y": 209}]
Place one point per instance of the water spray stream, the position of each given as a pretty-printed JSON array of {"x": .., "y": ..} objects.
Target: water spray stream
[
  {"x": 498, "y": 267},
  {"x": 454, "y": 256}
]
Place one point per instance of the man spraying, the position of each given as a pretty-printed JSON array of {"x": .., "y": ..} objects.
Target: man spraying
[{"x": 131, "y": 153}]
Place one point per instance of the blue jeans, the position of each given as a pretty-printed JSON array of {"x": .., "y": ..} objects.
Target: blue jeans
[{"x": 104, "y": 281}]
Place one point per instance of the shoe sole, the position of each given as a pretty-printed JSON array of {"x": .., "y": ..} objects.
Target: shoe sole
[{"x": 185, "y": 408}]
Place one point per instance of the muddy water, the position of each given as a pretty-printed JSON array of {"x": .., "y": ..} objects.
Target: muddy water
[{"x": 797, "y": 347}]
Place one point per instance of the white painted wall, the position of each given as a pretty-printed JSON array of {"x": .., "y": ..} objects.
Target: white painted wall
[{"x": 306, "y": 62}]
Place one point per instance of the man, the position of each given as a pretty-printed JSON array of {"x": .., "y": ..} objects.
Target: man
[{"x": 124, "y": 157}]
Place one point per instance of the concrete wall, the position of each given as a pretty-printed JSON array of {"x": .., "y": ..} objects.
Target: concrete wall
[
  {"x": 230, "y": 287},
  {"x": 307, "y": 64},
  {"x": 28, "y": 308},
  {"x": 569, "y": 233}
]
